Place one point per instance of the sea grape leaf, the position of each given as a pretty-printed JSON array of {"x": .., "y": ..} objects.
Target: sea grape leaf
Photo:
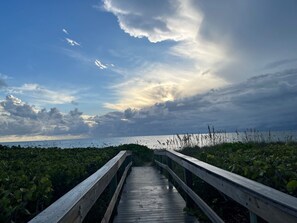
[{"x": 292, "y": 185}]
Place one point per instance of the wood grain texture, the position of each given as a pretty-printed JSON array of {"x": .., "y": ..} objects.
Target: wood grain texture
[
  {"x": 199, "y": 202},
  {"x": 74, "y": 205},
  {"x": 266, "y": 202},
  {"x": 146, "y": 197},
  {"x": 115, "y": 196}
]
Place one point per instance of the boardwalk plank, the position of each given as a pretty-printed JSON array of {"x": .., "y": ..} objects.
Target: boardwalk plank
[{"x": 146, "y": 197}]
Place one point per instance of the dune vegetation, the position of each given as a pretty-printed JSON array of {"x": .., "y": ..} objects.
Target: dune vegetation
[{"x": 33, "y": 178}]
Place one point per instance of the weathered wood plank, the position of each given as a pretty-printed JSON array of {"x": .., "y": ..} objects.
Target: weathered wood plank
[
  {"x": 74, "y": 205},
  {"x": 199, "y": 202},
  {"x": 147, "y": 197},
  {"x": 270, "y": 204}
]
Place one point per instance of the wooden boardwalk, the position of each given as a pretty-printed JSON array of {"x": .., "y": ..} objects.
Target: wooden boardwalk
[{"x": 146, "y": 197}]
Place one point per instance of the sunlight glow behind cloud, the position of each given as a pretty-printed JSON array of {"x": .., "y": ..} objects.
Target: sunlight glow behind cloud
[
  {"x": 179, "y": 21},
  {"x": 170, "y": 84},
  {"x": 238, "y": 106},
  {"x": 169, "y": 66}
]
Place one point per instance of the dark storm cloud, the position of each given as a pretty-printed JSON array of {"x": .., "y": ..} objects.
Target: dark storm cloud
[
  {"x": 263, "y": 102},
  {"x": 255, "y": 33}
]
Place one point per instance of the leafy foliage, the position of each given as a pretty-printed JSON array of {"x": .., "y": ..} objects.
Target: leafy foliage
[
  {"x": 142, "y": 155},
  {"x": 33, "y": 178},
  {"x": 272, "y": 164}
]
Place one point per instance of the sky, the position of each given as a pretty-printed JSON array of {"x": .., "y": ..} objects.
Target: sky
[{"x": 71, "y": 69}]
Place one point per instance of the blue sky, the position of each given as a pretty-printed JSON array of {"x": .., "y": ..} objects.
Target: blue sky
[{"x": 89, "y": 68}]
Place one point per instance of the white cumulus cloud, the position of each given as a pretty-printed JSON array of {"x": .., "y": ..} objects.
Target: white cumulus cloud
[
  {"x": 158, "y": 21},
  {"x": 72, "y": 42}
]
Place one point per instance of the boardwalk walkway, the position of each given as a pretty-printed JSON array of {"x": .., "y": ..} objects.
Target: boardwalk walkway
[{"x": 146, "y": 197}]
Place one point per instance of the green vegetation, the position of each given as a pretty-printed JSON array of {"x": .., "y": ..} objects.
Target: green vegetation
[
  {"x": 272, "y": 164},
  {"x": 142, "y": 155},
  {"x": 33, "y": 178}
]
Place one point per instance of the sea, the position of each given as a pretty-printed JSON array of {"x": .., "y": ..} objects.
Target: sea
[{"x": 165, "y": 141}]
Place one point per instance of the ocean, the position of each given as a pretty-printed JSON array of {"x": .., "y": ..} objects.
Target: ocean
[{"x": 165, "y": 141}]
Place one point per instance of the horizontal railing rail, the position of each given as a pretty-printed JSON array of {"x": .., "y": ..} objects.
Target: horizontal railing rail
[
  {"x": 266, "y": 202},
  {"x": 74, "y": 205}
]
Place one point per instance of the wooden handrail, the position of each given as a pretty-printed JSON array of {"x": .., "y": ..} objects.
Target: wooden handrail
[
  {"x": 74, "y": 205},
  {"x": 266, "y": 202}
]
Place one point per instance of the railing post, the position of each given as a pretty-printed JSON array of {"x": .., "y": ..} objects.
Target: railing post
[
  {"x": 162, "y": 161},
  {"x": 129, "y": 159},
  {"x": 156, "y": 157},
  {"x": 253, "y": 217},
  {"x": 170, "y": 179},
  {"x": 114, "y": 183},
  {"x": 189, "y": 181}
]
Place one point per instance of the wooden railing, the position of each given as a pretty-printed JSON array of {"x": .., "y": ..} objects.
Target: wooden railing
[
  {"x": 74, "y": 206},
  {"x": 260, "y": 200}
]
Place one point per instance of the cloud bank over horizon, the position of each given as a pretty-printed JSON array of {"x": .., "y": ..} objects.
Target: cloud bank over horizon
[
  {"x": 147, "y": 67},
  {"x": 19, "y": 118},
  {"x": 265, "y": 102}
]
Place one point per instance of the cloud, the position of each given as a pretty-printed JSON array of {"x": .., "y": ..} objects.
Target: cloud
[
  {"x": 99, "y": 64},
  {"x": 72, "y": 42},
  {"x": 160, "y": 84},
  {"x": 250, "y": 39},
  {"x": 90, "y": 61},
  {"x": 43, "y": 95},
  {"x": 155, "y": 82},
  {"x": 19, "y": 118},
  {"x": 65, "y": 31},
  {"x": 279, "y": 63},
  {"x": 231, "y": 40},
  {"x": 74, "y": 103},
  {"x": 265, "y": 102},
  {"x": 169, "y": 20},
  {"x": 179, "y": 21}
]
